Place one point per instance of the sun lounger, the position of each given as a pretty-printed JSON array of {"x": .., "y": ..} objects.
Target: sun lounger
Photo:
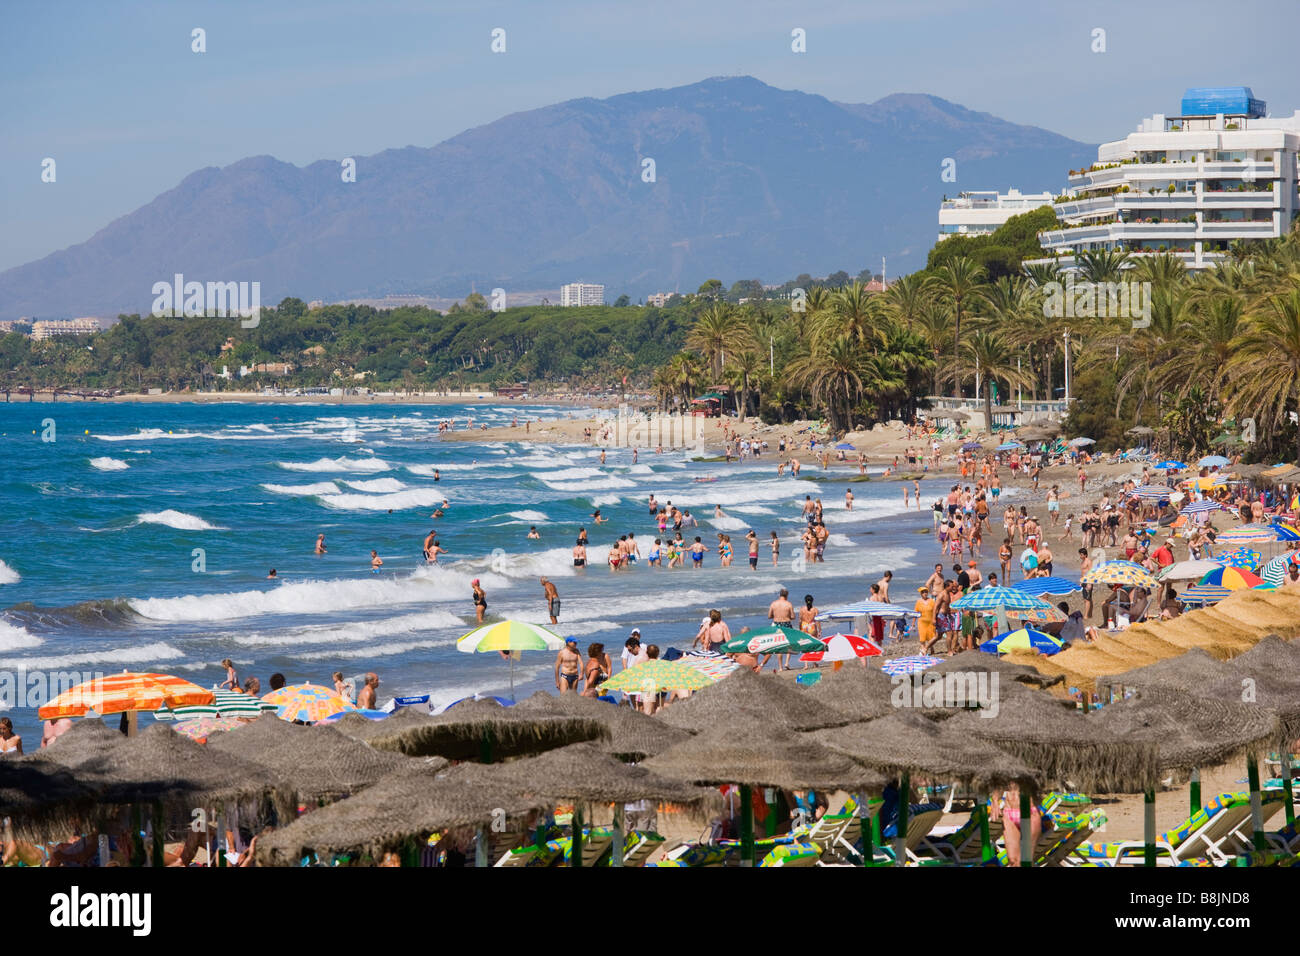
[
  {"x": 638, "y": 847},
  {"x": 959, "y": 844},
  {"x": 838, "y": 834},
  {"x": 921, "y": 819},
  {"x": 523, "y": 856},
  {"x": 793, "y": 854},
  {"x": 695, "y": 854},
  {"x": 1211, "y": 833}
]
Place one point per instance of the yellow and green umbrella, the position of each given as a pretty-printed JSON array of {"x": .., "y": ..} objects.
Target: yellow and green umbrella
[
  {"x": 306, "y": 702},
  {"x": 651, "y": 677},
  {"x": 509, "y": 637}
]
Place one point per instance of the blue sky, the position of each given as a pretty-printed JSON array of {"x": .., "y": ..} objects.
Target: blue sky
[{"x": 114, "y": 94}]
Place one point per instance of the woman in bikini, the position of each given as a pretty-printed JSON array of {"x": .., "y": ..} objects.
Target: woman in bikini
[{"x": 597, "y": 670}]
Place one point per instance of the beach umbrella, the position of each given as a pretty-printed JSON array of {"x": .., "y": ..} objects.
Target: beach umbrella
[
  {"x": 711, "y": 665},
  {"x": 843, "y": 647},
  {"x": 1187, "y": 570},
  {"x": 758, "y": 754},
  {"x": 200, "y": 728},
  {"x": 1049, "y": 585},
  {"x": 1213, "y": 461},
  {"x": 124, "y": 692},
  {"x": 774, "y": 639},
  {"x": 971, "y": 446},
  {"x": 1204, "y": 594},
  {"x": 1081, "y": 442},
  {"x": 749, "y": 698},
  {"x": 1275, "y": 571},
  {"x": 479, "y": 730},
  {"x": 397, "y": 814},
  {"x": 867, "y": 609},
  {"x": 1152, "y": 492},
  {"x": 42, "y": 797},
  {"x": 1126, "y": 573},
  {"x": 306, "y": 702},
  {"x": 1009, "y": 446},
  {"x": 1202, "y": 506},
  {"x": 1036, "y": 615},
  {"x": 1010, "y": 676},
  {"x": 1286, "y": 531},
  {"x": 912, "y": 664},
  {"x": 860, "y": 693},
  {"x": 1240, "y": 558},
  {"x": 1187, "y": 671},
  {"x": 225, "y": 703},
  {"x": 844, "y": 446},
  {"x": 1207, "y": 482},
  {"x": 651, "y": 677},
  {"x": 1249, "y": 534},
  {"x": 365, "y": 712},
  {"x": 509, "y": 637},
  {"x": 321, "y": 763},
  {"x": 998, "y": 598},
  {"x": 1234, "y": 579},
  {"x": 632, "y": 734},
  {"x": 1023, "y": 639},
  {"x": 1169, "y": 465}
]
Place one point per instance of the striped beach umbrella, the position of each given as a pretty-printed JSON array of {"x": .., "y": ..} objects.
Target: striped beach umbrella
[
  {"x": 999, "y": 598},
  {"x": 708, "y": 663},
  {"x": 1204, "y": 594},
  {"x": 225, "y": 703},
  {"x": 1121, "y": 572},
  {"x": 1240, "y": 558},
  {"x": 200, "y": 728},
  {"x": 1234, "y": 579},
  {"x": 307, "y": 702},
  {"x": 1249, "y": 534},
  {"x": 1023, "y": 639},
  {"x": 651, "y": 677},
  {"x": 1152, "y": 492},
  {"x": 127, "y": 691},
  {"x": 1286, "y": 531},
  {"x": 1203, "y": 506},
  {"x": 913, "y": 664},
  {"x": 843, "y": 647},
  {"x": 1274, "y": 571},
  {"x": 509, "y": 637},
  {"x": 1041, "y": 586},
  {"x": 868, "y": 609}
]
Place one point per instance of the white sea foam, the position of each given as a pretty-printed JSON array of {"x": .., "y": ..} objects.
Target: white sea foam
[
  {"x": 604, "y": 501},
  {"x": 178, "y": 520},
  {"x": 372, "y": 651},
  {"x": 85, "y": 659},
  {"x": 109, "y": 464},
  {"x": 426, "y": 471},
  {"x": 13, "y": 637},
  {"x": 606, "y": 483},
  {"x": 737, "y": 493},
  {"x": 343, "y": 464},
  {"x": 728, "y": 523},
  {"x": 568, "y": 474},
  {"x": 378, "y": 485},
  {"x": 397, "y": 501},
  {"x": 8, "y": 575},
  {"x": 353, "y": 631},
  {"x": 529, "y": 517},
  {"x": 319, "y": 488}
]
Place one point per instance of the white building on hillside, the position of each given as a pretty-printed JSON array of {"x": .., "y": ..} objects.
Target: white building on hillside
[
  {"x": 49, "y": 328},
  {"x": 582, "y": 293},
  {"x": 980, "y": 213},
  {"x": 1189, "y": 184}
]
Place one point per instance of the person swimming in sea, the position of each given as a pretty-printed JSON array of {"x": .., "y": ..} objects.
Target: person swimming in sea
[
  {"x": 320, "y": 544},
  {"x": 376, "y": 562}
]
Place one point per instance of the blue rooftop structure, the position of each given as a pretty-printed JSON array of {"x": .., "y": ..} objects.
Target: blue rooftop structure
[{"x": 1228, "y": 100}]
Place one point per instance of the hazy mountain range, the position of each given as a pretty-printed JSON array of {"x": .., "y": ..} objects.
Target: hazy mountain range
[{"x": 749, "y": 182}]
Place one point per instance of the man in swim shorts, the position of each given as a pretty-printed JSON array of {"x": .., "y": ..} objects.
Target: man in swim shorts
[
  {"x": 568, "y": 667},
  {"x": 552, "y": 600}
]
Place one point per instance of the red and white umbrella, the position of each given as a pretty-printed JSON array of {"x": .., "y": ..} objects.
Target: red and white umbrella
[{"x": 843, "y": 647}]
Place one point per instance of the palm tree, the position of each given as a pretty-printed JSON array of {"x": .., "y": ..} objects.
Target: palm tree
[
  {"x": 717, "y": 331},
  {"x": 958, "y": 282},
  {"x": 745, "y": 365},
  {"x": 1102, "y": 265},
  {"x": 934, "y": 325},
  {"x": 853, "y": 311},
  {"x": 989, "y": 352},
  {"x": 1266, "y": 364},
  {"x": 836, "y": 376}
]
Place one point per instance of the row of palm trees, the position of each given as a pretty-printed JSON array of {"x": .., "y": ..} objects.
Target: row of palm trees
[{"x": 1230, "y": 334}]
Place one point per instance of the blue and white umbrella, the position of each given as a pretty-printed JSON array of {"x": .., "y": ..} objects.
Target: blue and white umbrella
[
  {"x": 1169, "y": 466},
  {"x": 908, "y": 665},
  {"x": 1204, "y": 594},
  {"x": 1052, "y": 585},
  {"x": 999, "y": 598},
  {"x": 1200, "y": 507},
  {"x": 1153, "y": 492},
  {"x": 1274, "y": 571},
  {"x": 1080, "y": 442},
  {"x": 1009, "y": 446},
  {"x": 869, "y": 608},
  {"x": 1213, "y": 461}
]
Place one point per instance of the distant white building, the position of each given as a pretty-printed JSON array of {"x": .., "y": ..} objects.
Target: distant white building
[
  {"x": 582, "y": 293},
  {"x": 49, "y": 328},
  {"x": 1187, "y": 185},
  {"x": 978, "y": 213},
  {"x": 659, "y": 299}
]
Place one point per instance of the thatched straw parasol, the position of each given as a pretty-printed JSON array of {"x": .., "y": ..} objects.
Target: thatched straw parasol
[
  {"x": 42, "y": 797},
  {"x": 1007, "y": 671},
  {"x": 395, "y": 814},
  {"x": 319, "y": 762},
  {"x": 908, "y": 743},
  {"x": 632, "y": 734},
  {"x": 1188, "y": 732},
  {"x": 87, "y": 738},
  {"x": 1062, "y": 744},
  {"x": 163, "y": 767},
  {"x": 744, "y": 696},
  {"x": 859, "y": 693},
  {"x": 1267, "y": 675},
  {"x": 1190, "y": 670},
  {"x": 480, "y": 730}
]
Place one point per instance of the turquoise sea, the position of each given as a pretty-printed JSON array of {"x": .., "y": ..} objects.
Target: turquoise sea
[{"x": 141, "y": 536}]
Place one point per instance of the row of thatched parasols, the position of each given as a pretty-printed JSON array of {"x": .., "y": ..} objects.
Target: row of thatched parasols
[{"x": 388, "y": 785}]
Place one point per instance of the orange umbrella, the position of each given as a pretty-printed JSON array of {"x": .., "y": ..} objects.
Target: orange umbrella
[{"x": 116, "y": 693}]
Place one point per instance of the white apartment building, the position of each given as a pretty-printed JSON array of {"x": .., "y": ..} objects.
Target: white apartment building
[
  {"x": 980, "y": 213},
  {"x": 658, "y": 299},
  {"x": 582, "y": 293},
  {"x": 49, "y": 328},
  {"x": 1190, "y": 184}
]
